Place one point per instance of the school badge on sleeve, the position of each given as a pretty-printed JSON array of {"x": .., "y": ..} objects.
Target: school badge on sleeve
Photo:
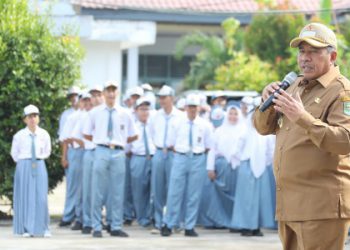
[{"x": 346, "y": 108}]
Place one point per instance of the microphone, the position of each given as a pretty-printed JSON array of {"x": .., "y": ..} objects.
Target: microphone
[{"x": 286, "y": 82}]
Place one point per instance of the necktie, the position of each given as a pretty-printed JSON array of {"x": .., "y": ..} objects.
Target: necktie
[
  {"x": 145, "y": 141},
  {"x": 110, "y": 125},
  {"x": 33, "y": 155},
  {"x": 166, "y": 131},
  {"x": 190, "y": 141}
]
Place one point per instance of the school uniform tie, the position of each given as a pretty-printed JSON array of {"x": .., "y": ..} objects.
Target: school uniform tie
[
  {"x": 190, "y": 140},
  {"x": 165, "y": 150},
  {"x": 110, "y": 124},
  {"x": 33, "y": 158},
  {"x": 166, "y": 131},
  {"x": 145, "y": 141}
]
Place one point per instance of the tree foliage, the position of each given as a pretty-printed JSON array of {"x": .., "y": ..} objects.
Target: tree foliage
[
  {"x": 220, "y": 65},
  {"x": 268, "y": 36},
  {"x": 35, "y": 68},
  {"x": 214, "y": 51},
  {"x": 243, "y": 72}
]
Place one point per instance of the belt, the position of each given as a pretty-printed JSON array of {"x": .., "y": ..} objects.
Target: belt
[
  {"x": 196, "y": 154},
  {"x": 169, "y": 149},
  {"x": 111, "y": 146},
  {"x": 143, "y": 155}
]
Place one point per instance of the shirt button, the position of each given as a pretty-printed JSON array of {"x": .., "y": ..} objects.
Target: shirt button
[
  {"x": 281, "y": 147},
  {"x": 287, "y": 128},
  {"x": 278, "y": 189}
]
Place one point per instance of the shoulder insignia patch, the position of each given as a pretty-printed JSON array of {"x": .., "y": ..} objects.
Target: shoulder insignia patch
[{"x": 346, "y": 108}]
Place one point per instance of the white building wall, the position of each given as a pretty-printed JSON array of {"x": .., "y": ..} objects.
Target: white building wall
[{"x": 102, "y": 62}]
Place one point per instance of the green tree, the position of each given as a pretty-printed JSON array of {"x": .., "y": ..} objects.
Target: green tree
[
  {"x": 35, "y": 68},
  {"x": 268, "y": 36},
  {"x": 326, "y": 13},
  {"x": 214, "y": 51},
  {"x": 243, "y": 72}
]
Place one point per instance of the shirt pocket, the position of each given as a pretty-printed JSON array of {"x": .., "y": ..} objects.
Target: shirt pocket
[{"x": 315, "y": 110}]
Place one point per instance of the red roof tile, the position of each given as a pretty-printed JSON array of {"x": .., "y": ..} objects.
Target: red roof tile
[{"x": 233, "y": 6}]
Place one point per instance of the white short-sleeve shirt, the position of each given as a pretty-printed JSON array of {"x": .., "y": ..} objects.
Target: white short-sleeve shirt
[
  {"x": 77, "y": 132},
  {"x": 202, "y": 134},
  {"x": 158, "y": 125},
  {"x": 97, "y": 126},
  {"x": 138, "y": 146},
  {"x": 22, "y": 144}
]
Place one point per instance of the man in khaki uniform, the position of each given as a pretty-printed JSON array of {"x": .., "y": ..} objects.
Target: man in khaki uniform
[{"x": 311, "y": 121}]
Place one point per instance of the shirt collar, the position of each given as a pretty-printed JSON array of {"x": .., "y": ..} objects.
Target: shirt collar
[
  {"x": 173, "y": 111},
  {"x": 325, "y": 79},
  {"x": 30, "y": 132},
  {"x": 141, "y": 123},
  {"x": 107, "y": 108},
  {"x": 195, "y": 121}
]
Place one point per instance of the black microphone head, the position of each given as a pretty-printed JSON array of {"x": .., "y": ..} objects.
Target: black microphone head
[{"x": 290, "y": 77}]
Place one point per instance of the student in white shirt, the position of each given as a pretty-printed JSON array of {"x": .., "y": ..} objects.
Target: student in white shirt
[
  {"x": 110, "y": 127},
  {"x": 134, "y": 93},
  {"x": 191, "y": 139},
  {"x": 30, "y": 146},
  {"x": 72, "y": 96},
  {"x": 71, "y": 160},
  {"x": 161, "y": 128},
  {"x": 148, "y": 93},
  {"x": 85, "y": 169},
  {"x": 96, "y": 95},
  {"x": 140, "y": 164}
]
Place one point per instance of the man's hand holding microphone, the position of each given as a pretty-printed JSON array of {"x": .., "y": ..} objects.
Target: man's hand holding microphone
[{"x": 274, "y": 93}]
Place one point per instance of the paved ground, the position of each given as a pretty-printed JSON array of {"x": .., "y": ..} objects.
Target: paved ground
[{"x": 139, "y": 238}]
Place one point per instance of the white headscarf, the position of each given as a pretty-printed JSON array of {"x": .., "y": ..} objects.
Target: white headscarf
[
  {"x": 256, "y": 149},
  {"x": 228, "y": 140}
]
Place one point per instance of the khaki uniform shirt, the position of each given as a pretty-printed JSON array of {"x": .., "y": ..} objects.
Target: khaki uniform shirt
[{"x": 311, "y": 162}]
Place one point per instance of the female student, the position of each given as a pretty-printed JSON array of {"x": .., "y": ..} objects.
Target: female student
[
  {"x": 223, "y": 159},
  {"x": 30, "y": 146}
]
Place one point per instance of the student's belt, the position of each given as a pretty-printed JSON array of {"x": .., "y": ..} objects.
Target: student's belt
[{"x": 111, "y": 146}]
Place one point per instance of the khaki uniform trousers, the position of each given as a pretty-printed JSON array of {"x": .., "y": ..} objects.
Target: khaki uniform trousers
[{"x": 327, "y": 234}]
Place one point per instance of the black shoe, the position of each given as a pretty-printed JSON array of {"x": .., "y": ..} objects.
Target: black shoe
[
  {"x": 97, "y": 234},
  {"x": 77, "y": 226},
  {"x": 258, "y": 233},
  {"x": 165, "y": 231},
  {"x": 107, "y": 228},
  {"x": 127, "y": 222},
  {"x": 86, "y": 230},
  {"x": 64, "y": 223},
  {"x": 191, "y": 233},
  {"x": 247, "y": 232},
  {"x": 119, "y": 233},
  {"x": 235, "y": 231}
]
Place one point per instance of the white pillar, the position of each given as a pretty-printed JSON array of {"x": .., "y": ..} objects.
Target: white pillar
[{"x": 133, "y": 67}]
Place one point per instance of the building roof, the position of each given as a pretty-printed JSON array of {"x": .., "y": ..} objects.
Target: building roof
[{"x": 204, "y": 6}]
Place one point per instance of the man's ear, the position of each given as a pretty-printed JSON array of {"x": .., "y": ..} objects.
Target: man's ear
[{"x": 333, "y": 56}]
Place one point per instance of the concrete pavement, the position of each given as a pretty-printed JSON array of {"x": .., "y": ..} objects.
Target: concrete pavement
[
  {"x": 140, "y": 238},
  {"x": 64, "y": 238}
]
